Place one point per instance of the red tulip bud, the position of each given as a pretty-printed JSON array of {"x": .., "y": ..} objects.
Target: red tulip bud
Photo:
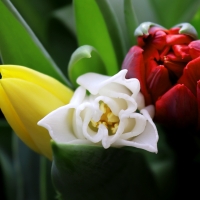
[{"x": 167, "y": 64}]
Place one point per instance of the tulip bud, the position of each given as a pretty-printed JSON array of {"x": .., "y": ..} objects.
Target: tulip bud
[
  {"x": 26, "y": 97},
  {"x": 167, "y": 64}
]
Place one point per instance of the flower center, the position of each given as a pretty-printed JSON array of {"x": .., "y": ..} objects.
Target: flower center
[{"x": 108, "y": 119}]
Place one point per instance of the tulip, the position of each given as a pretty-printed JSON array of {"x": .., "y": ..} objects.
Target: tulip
[
  {"x": 112, "y": 115},
  {"x": 26, "y": 97},
  {"x": 167, "y": 64}
]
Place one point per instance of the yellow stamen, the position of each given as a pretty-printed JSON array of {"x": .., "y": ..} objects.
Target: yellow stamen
[{"x": 108, "y": 119}]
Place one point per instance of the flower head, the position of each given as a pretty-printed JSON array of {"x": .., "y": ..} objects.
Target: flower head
[
  {"x": 166, "y": 62},
  {"x": 107, "y": 117},
  {"x": 26, "y": 97}
]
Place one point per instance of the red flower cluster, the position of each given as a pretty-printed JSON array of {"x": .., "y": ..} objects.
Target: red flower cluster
[{"x": 167, "y": 64}]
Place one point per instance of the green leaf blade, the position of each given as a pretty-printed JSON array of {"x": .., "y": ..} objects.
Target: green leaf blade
[
  {"x": 19, "y": 46},
  {"x": 96, "y": 26}
]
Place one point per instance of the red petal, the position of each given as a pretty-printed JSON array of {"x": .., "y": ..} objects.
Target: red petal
[
  {"x": 182, "y": 51},
  {"x": 194, "y": 49},
  {"x": 150, "y": 52},
  {"x": 164, "y": 52},
  {"x": 174, "y": 30},
  {"x": 134, "y": 63},
  {"x": 177, "y": 107},
  {"x": 154, "y": 29},
  {"x": 172, "y": 57},
  {"x": 198, "y": 102},
  {"x": 176, "y": 68},
  {"x": 178, "y": 39},
  {"x": 159, "y": 40},
  {"x": 158, "y": 82},
  {"x": 191, "y": 74},
  {"x": 150, "y": 65},
  {"x": 140, "y": 41}
]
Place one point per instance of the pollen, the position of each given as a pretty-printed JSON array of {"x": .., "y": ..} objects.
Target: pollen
[{"x": 108, "y": 119}]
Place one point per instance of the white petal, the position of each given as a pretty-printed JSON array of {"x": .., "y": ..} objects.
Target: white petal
[
  {"x": 112, "y": 104},
  {"x": 99, "y": 81},
  {"x": 137, "y": 126},
  {"x": 78, "y": 96},
  {"x": 140, "y": 101},
  {"x": 59, "y": 124},
  {"x": 147, "y": 139}
]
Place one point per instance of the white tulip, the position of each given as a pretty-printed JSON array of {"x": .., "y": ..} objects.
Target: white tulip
[{"x": 112, "y": 115}]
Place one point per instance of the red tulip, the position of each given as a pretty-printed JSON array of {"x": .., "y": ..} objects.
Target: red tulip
[{"x": 167, "y": 64}]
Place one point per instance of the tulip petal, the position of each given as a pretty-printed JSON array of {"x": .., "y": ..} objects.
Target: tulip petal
[
  {"x": 158, "y": 82},
  {"x": 14, "y": 121},
  {"x": 198, "y": 102},
  {"x": 60, "y": 127},
  {"x": 134, "y": 125},
  {"x": 187, "y": 29},
  {"x": 134, "y": 63},
  {"x": 143, "y": 28},
  {"x": 63, "y": 128},
  {"x": 177, "y": 107},
  {"x": 37, "y": 104},
  {"x": 182, "y": 52},
  {"x": 46, "y": 82},
  {"x": 98, "y": 81},
  {"x": 191, "y": 75},
  {"x": 178, "y": 39},
  {"x": 159, "y": 37},
  {"x": 148, "y": 138},
  {"x": 194, "y": 49}
]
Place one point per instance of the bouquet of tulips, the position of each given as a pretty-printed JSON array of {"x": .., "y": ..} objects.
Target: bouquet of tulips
[{"x": 99, "y": 99}]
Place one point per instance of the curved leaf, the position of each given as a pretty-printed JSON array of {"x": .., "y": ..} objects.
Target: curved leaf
[
  {"x": 19, "y": 45},
  {"x": 85, "y": 172},
  {"x": 96, "y": 26},
  {"x": 85, "y": 59}
]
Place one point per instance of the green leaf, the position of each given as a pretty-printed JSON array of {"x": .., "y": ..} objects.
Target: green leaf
[
  {"x": 33, "y": 13},
  {"x": 47, "y": 191},
  {"x": 96, "y": 26},
  {"x": 177, "y": 11},
  {"x": 195, "y": 21},
  {"x": 144, "y": 11},
  {"x": 131, "y": 20},
  {"x": 6, "y": 164},
  {"x": 32, "y": 173},
  {"x": 117, "y": 7},
  {"x": 66, "y": 16},
  {"x": 61, "y": 36},
  {"x": 19, "y": 45},
  {"x": 85, "y": 59},
  {"x": 88, "y": 172},
  {"x": 5, "y": 137}
]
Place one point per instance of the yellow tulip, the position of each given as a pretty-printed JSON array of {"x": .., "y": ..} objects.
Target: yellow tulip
[{"x": 26, "y": 96}]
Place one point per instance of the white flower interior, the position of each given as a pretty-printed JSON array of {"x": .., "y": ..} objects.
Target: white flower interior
[{"x": 108, "y": 116}]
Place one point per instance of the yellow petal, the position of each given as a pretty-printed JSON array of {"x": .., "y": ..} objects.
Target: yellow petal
[
  {"x": 32, "y": 102},
  {"x": 50, "y": 84},
  {"x": 15, "y": 122}
]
